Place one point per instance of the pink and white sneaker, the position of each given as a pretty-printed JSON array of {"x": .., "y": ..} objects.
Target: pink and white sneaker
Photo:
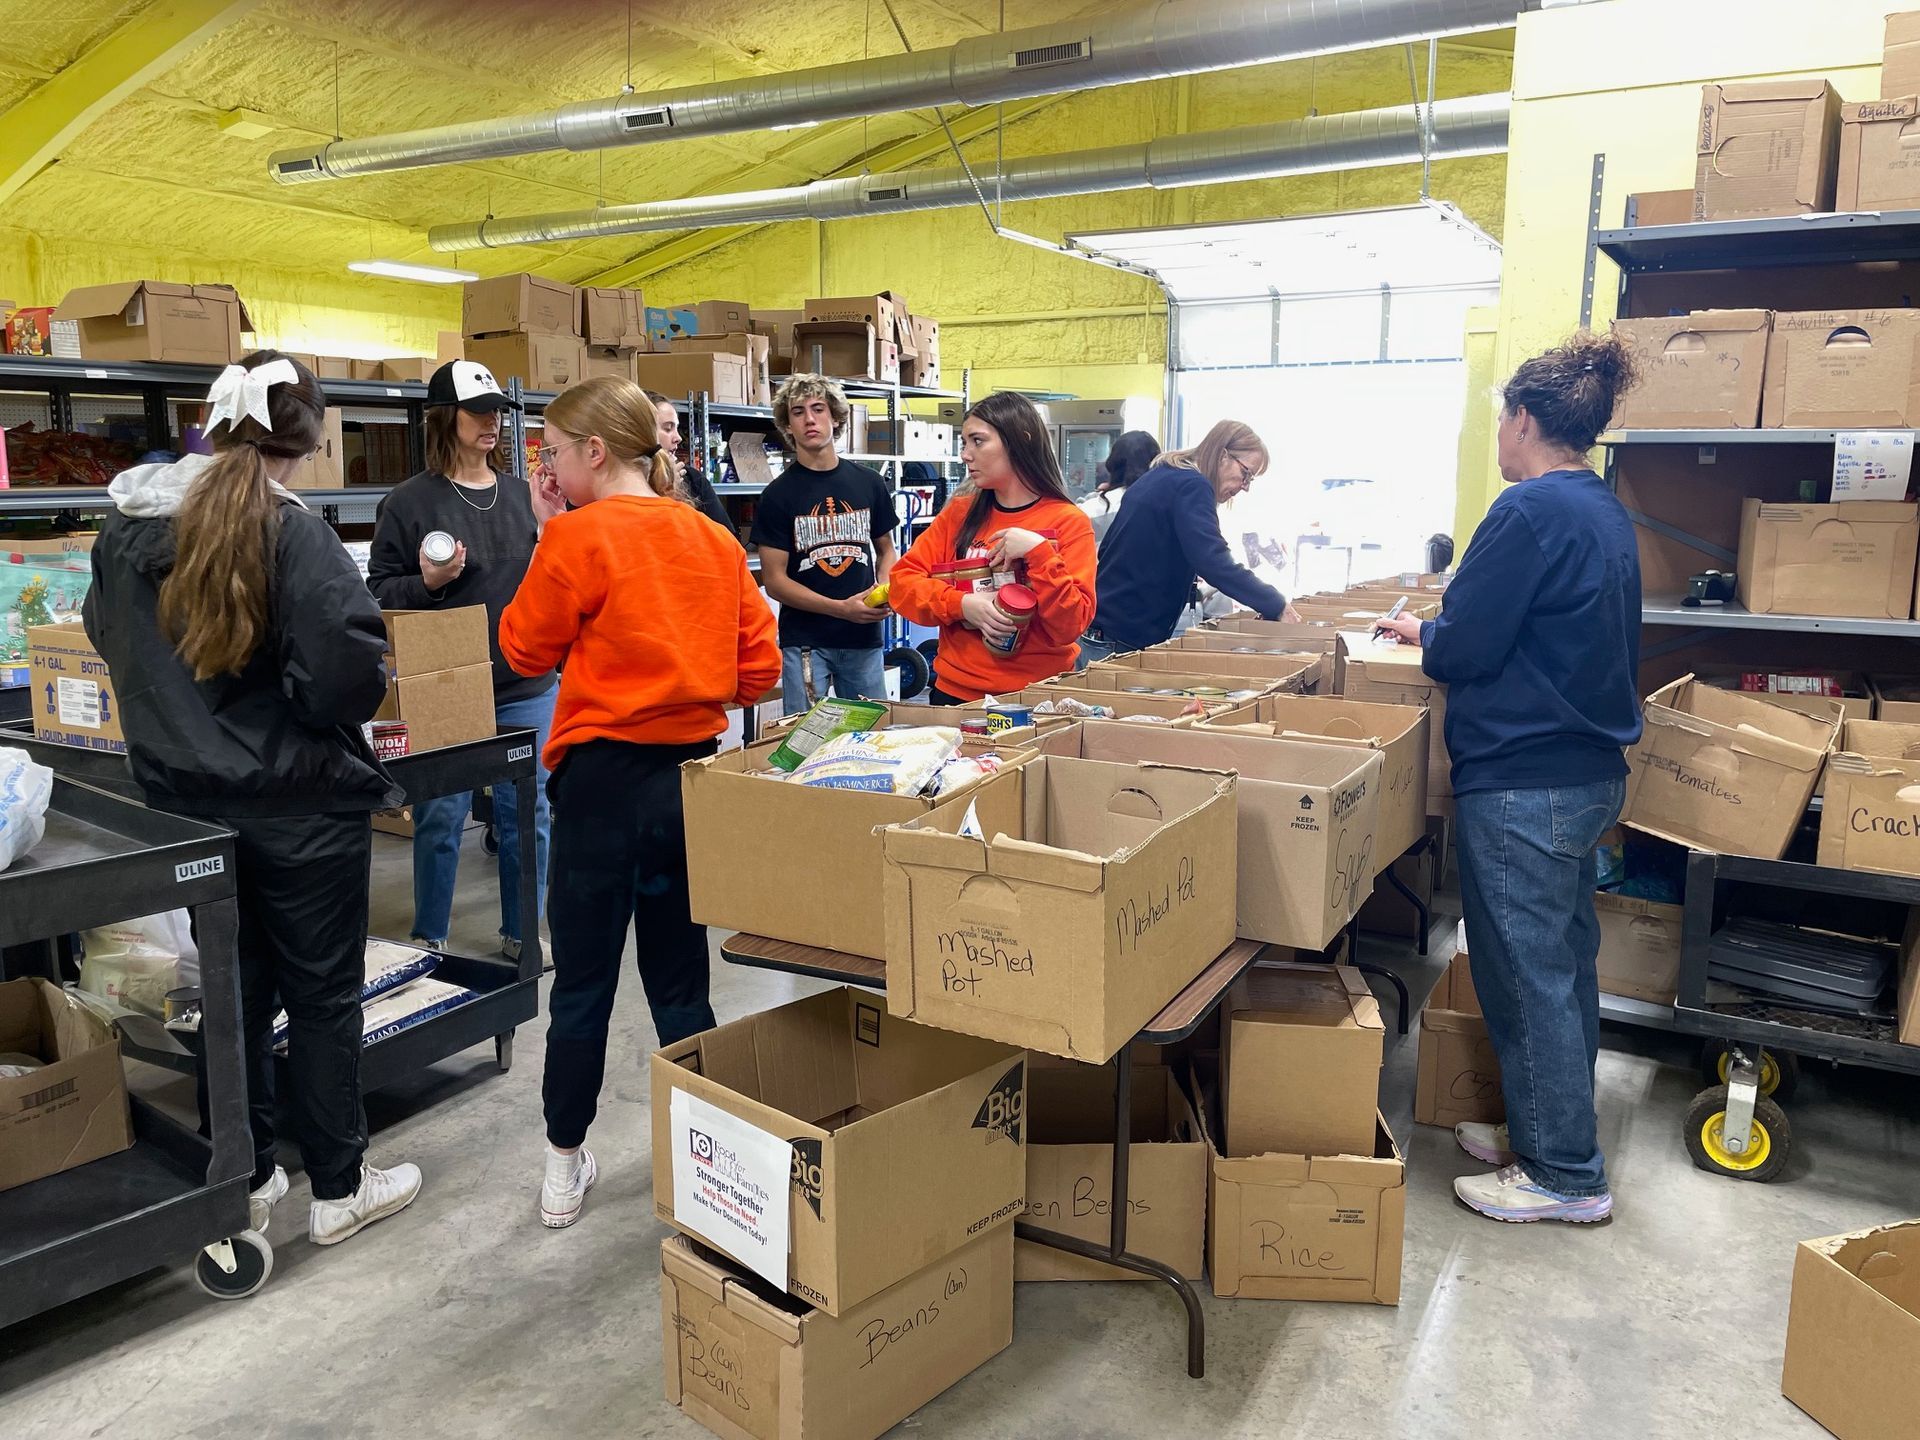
[
  {"x": 1489, "y": 1144},
  {"x": 1511, "y": 1195}
]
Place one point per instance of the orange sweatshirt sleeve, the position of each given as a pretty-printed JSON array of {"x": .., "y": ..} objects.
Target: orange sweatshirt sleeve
[
  {"x": 542, "y": 621},
  {"x": 759, "y": 664},
  {"x": 1061, "y": 575},
  {"x": 913, "y": 590}
]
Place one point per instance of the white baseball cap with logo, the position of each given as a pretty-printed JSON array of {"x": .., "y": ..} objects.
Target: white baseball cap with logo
[{"x": 470, "y": 385}]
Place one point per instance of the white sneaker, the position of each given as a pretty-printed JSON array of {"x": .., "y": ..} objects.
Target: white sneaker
[
  {"x": 1511, "y": 1195},
  {"x": 421, "y": 942},
  {"x": 564, "y": 1191},
  {"x": 381, "y": 1193},
  {"x": 1488, "y": 1144},
  {"x": 510, "y": 948},
  {"x": 260, "y": 1202}
]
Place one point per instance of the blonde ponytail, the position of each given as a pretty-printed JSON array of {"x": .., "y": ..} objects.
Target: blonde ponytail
[{"x": 214, "y": 604}]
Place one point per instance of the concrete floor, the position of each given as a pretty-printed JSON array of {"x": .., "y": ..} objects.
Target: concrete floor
[{"x": 465, "y": 1318}]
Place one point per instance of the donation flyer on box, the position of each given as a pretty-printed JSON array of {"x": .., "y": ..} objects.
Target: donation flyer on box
[{"x": 730, "y": 1184}]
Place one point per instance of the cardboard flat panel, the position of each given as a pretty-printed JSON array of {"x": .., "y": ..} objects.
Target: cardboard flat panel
[{"x": 1853, "y": 1332}]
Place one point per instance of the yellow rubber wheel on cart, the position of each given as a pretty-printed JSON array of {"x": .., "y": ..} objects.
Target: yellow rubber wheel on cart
[
  {"x": 1766, "y": 1153},
  {"x": 1779, "y": 1072}
]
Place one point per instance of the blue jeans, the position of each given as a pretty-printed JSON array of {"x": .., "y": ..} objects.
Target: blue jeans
[
  {"x": 855, "y": 675},
  {"x": 1092, "y": 651},
  {"x": 1527, "y": 874},
  {"x": 437, "y": 824}
]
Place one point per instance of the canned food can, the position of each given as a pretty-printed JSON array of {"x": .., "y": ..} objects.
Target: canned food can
[
  {"x": 976, "y": 725},
  {"x": 1009, "y": 717},
  {"x": 389, "y": 739},
  {"x": 438, "y": 547}
]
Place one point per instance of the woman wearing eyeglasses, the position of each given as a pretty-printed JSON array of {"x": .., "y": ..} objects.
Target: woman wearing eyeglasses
[{"x": 1167, "y": 534}]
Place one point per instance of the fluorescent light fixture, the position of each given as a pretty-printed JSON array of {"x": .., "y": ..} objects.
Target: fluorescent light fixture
[
  {"x": 797, "y": 125},
  {"x": 402, "y": 270}
]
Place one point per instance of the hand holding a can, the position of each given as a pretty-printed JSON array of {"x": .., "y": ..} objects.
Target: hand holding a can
[
  {"x": 979, "y": 611},
  {"x": 442, "y": 560}
]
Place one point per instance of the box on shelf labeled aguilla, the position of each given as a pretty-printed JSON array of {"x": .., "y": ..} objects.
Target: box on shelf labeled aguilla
[
  {"x": 1300, "y": 1054},
  {"x": 158, "y": 320},
  {"x": 1853, "y": 1330},
  {"x": 1639, "y": 947},
  {"x": 442, "y": 676},
  {"x": 72, "y": 698},
  {"x": 518, "y": 304},
  {"x": 1308, "y": 819},
  {"x": 1703, "y": 371},
  {"x": 1458, "y": 1074},
  {"x": 1847, "y": 369},
  {"x": 1870, "y": 817},
  {"x": 1723, "y": 771},
  {"x": 1070, "y": 1172},
  {"x": 750, "y": 1363},
  {"x": 1064, "y": 905},
  {"x": 1766, "y": 150},
  {"x": 70, "y": 1107},
  {"x": 1851, "y": 559},
  {"x": 1878, "y": 165},
  {"x": 836, "y": 1145}
]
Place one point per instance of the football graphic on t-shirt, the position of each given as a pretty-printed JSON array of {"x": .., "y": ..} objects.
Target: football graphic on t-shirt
[{"x": 833, "y": 537}]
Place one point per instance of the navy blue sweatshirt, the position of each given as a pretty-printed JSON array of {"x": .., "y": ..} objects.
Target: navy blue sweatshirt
[
  {"x": 1539, "y": 640},
  {"x": 1167, "y": 533}
]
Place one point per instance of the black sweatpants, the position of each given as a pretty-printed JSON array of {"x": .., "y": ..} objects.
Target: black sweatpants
[
  {"x": 302, "y": 886},
  {"x": 618, "y": 858}
]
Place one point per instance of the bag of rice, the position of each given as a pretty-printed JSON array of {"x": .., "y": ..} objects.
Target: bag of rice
[{"x": 897, "y": 762}]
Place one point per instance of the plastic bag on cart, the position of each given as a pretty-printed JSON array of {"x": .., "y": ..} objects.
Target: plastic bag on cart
[
  {"x": 26, "y": 789},
  {"x": 136, "y": 962}
]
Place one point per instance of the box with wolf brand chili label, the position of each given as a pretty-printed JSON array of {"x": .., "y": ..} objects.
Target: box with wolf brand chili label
[
  {"x": 904, "y": 1142},
  {"x": 746, "y": 1361}
]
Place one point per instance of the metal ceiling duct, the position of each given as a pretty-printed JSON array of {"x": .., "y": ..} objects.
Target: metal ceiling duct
[
  {"x": 1476, "y": 125},
  {"x": 1153, "y": 42}
]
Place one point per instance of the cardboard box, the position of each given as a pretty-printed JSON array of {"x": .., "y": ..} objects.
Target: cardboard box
[
  {"x": 420, "y": 641},
  {"x": 1849, "y": 369},
  {"x": 907, "y": 1141},
  {"x": 1724, "y": 771},
  {"x": 777, "y": 326},
  {"x": 668, "y": 322},
  {"x": 1102, "y": 891},
  {"x": 918, "y": 439},
  {"x": 724, "y": 317},
  {"x": 883, "y": 312},
  {"x": 1397, "y": 733},
  {"x": 518, "y": 304},
  {"x": 1854, "y": 558},
  {"x": 920, "y": 363},
  {"x": 1900, "y": 61},
  {"x": 537, "y": 361},
  {"x": 848, "y": 349},
  {"x": 1700, "y": 371},
  {"x": 1381, "y": 674},
  {"x": 1766, "y": 150},
  {"x": 1639, "y": 947},
  {"x": 442, "y": 707},
  {"x": 1895, "y": 697},
  {"x": 74, "y": 1109},
  {"x": 451, "y": 346},
  {"x": 1877, "y": 170},
  {"x": 753, "y": 349},
  {"x": 1458, "y": 1074},
  {"x": 1070, "y": 1173},
  {"x": 1454, "y": 989},
  {"x": 1175, "y": 711},
  {"x": 724, "y": 378},
  {"x": 613, "y": 318},
  {"x": 366, "y": 369},
  {"x": 1260, "y": 637},
  {"x": 158, "y": 320},
  {"x": 409, "y": 369},
  {"x": 1870, "y": 818},
  {"x": 332, "y": 367},
  {"x": 600, "y": 360},
  {"x": 326, "y": 468},
  {"x": 1853, "y": 1328},
  {"x": 73, "y": 699},
  {"x": 1308, "y": 815},
  {"x": 751, "y": 1364},
  {"x": 1294, "y": 674},
  {"x": 815, "y": 854},
  {"x": 1300, "y": 1061},
  {"x": 1855, "y": 704},
  {"x": 1662, "y": 207}
]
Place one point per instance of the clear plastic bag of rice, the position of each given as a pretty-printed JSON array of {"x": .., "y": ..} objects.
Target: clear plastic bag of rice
[{"x": 888, "y": 762}]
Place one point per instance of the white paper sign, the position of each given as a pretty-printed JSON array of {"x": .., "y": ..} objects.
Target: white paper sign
[
  {"x": 730, "y": 1182},
  {"x": 1872, "y": 464}
]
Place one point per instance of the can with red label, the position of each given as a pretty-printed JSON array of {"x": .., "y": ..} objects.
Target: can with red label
[{"x": 389, "y": 739}]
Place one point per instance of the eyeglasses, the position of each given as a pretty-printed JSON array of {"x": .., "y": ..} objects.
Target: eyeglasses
[
  {"x": 1246, "y": 470},
  {"x": 546, "y": 453}
]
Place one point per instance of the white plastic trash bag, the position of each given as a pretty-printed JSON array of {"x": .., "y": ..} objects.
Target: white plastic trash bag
[
  {"x": 134, "y": 963},
  {"x": 25, "y": 790}
]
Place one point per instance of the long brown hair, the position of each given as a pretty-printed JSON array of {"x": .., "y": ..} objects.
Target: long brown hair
[
  {"x": 443, "y": 441},
  {"x": 619, "y": 412},
  {"x": 214, "y": 603},
  {"x": 1024, "y": 434}
]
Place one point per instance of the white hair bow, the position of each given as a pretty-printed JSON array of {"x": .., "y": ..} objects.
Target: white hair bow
[{"x": 238, "y": 391}]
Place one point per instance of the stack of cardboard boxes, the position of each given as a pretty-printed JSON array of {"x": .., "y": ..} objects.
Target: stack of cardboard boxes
[
  {"x": 613, "y": 327},
  {"x": 867, "y": 337},
  {"x": 525, "y": 327}
]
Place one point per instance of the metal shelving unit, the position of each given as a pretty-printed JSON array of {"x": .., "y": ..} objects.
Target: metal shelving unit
[
  {"x": 1667, "y": 610},
  {"x": 1751, "y": 244},
  {"x": 1714, "y": 439}
]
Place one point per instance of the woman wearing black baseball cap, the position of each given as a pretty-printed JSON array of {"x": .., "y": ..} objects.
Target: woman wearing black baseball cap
[{"x": 493, "y": 518}]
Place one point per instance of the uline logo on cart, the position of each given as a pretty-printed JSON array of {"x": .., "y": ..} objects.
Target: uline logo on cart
[
  {"x": 808, "y": 1176},
  {"x": 1005, "y": 1107},
  {"x": 199, "y": 869},
  {"x": 520, "y": 752}
]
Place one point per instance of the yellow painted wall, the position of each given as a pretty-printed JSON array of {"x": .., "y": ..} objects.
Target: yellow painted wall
[
  {"x": 1625, "y": 78},
  {"x": 1481, "y": 415}
]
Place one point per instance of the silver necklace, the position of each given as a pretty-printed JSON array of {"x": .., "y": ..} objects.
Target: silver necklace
[{"x": 460, "y": 490}]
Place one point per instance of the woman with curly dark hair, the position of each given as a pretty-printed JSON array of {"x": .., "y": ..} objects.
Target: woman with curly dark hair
[{"x": 1539, "y": 645}]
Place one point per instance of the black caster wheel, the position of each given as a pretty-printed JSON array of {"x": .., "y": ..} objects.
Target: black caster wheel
[
  {"x": 1779, "y": 1071},
  {"x": 503, "y": 1052},
  {"x": 1767, "y": 1147},
  {"x": 252, "y": 1260},
  {"x": 490, "y": 840},
  {"x": 929, "y": 648},
  {"x": 916, "y": 673}
]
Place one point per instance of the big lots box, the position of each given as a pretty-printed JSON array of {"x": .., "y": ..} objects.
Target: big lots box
[
  {"x": 1704, "y": 370},
  {"x": 156, "y": 320},
  {"x": 1300, "y": 1061},
  {"x": 1847, "y": 368},
  {"x": 750, "y": 1363},
  {"x": 442, "y": 685},
  {"x": 73, "y": 1107},
  {"x": 1070, "y": 1172},
  {"x": 1458, "y": 1075},
  {"x": 73, "y": 700},
  {"x": 1639, "y": 947},
  {"x": 1724, "y": 771},
  {"x": 1385, "y": 674},
  {"x": 1308, "y": 818},
  {"x": 837, "y": 1146},
  {"x": 1853, "y": 1332},
  {"x": 1870, "y": 818},
  {"x": 1854, "y": 558},
  {"x": 815, "y": 854},
  {"x": 1088, "y": 896},
  {"x": 1397, "y": 732},
  {"x": 1766, "y": 150}
]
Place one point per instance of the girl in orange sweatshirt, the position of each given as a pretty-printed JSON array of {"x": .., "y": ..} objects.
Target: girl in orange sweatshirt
[
  {"x": 1022, "y": 524},
  {"x": 649, "y": 612}
]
